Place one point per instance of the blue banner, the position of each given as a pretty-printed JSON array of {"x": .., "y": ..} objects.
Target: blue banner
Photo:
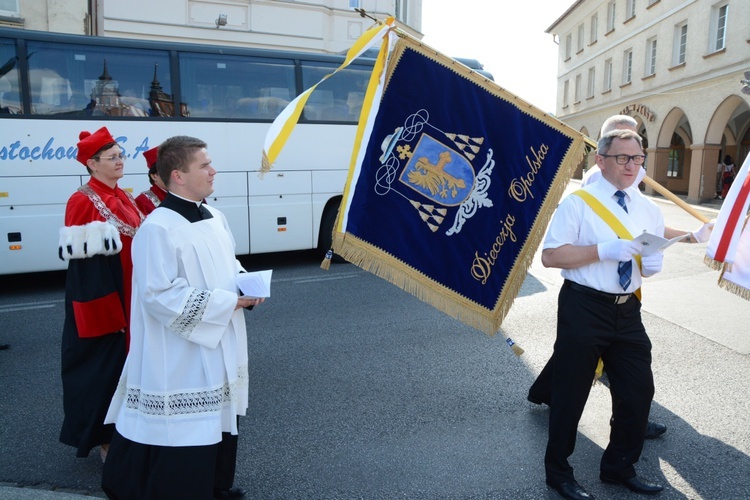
[{"x": 456, "y": 186}]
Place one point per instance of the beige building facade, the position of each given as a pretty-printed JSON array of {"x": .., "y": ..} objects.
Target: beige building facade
[
  {"x": 322, "y": 26},
  {"x": 676, "y": 66}
]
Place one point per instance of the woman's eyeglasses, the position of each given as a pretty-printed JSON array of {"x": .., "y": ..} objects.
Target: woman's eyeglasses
[{"x": 121, "y": 156}]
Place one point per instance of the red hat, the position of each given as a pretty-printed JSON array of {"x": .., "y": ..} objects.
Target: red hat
[
  {"x": 150, "y": 156},
  {"x": 89, "y": 143}
]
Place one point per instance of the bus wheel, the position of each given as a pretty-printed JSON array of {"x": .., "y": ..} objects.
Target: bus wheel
[{"x": 325, "y": 238}]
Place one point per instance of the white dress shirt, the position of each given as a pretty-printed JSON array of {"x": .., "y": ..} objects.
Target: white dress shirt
[{"x": 576, "y": 223}]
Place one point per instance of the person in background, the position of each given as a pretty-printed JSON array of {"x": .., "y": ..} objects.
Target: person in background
[
  {"x": 150, "y": 199},
  {"x": 599, "y": 315},
  {"x": 726, "y": 175},
  {"x": 184, "y": 383},
  {"x": 100, "y": 222}
]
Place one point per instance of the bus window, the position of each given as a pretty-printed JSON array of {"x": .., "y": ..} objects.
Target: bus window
[
  {"x": 10, "y": 102},
  {"x": 235, "y": 86},
  {"x": 233, "y": 92},
  {"x": 68, "y": 79},
  {"x": 337, "y": 99}
]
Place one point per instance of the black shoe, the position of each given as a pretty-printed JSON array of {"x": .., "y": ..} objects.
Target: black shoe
[
  {"x": 654, "y": 430},
  {"x": 230, "y": 493},
  {"x": 571, "y": 489},
  {"x": 537, "y": 401},
  {"x": 633, "y": 484}
]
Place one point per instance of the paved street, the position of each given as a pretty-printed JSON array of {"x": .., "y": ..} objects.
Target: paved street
[{"x": 358, "y": 390}]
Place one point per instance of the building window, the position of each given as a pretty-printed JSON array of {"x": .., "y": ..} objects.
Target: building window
[
  {"x": 401, "y": 12},
  {"x": 611, "y": 16},
  {"x": 580, "y": 38},
  {"x": 568, "y": 45},
  {"x": 590, "y": 88},
  {"x": 651, "y": 56},
  {"x": 630, "y": 10},
  {"x": 680, "y": 44},
  {"x": 566, "y": 93},
  {"x": 594, "y": 28},
  {"x": 608, "y": 75},
  {"x": 9, "y": 8},
  {"x": 577, "y": 96},
  {"x": 718, "y": 27},
  {"x": 627, "y": 67}
]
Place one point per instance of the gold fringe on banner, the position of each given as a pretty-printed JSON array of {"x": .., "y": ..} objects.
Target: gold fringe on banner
[
  {"x": 265, "y": 165},
  {"x": 517, "y": 350},
  {"x": 734, "y": 288},
  {"x": 326, "y": 264},
  {"x": 716, "y": 265}
]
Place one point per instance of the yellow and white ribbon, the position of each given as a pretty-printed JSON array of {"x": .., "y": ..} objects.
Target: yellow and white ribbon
[
  {"x": 282, "y": 126},
  {"x": 367, "y": 116}
]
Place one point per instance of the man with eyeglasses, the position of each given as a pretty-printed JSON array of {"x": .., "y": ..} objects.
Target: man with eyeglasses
[
  {"x": 539, "y": 392},
  {"x": 100, "y": 222},
  {"x": 599, "y": 314},
  {"x": 625, "y": 122}
]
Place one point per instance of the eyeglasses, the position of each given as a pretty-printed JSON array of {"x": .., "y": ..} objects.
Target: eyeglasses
[
  {"x": 624, "y": 159},
  {"x": 121, "y": 156}
]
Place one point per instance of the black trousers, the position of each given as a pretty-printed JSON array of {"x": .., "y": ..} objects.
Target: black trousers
[
  {"x": 541, "y": 389},
  {"x": 226, "y": 461},
  {"x": 135, "y": 471},
  {"x": 590, "y": 327}
]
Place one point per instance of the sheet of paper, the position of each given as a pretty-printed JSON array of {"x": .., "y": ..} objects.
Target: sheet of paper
[
  {"x": 256, "y": 284},
  {"x": 652, "y": 243}
]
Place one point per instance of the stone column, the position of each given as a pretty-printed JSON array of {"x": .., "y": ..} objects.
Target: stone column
[
  {"x": 703, "y": 162},
  {"x": 657, "y": 165}
]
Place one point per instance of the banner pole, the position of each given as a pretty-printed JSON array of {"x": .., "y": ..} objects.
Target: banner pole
[{"x": 673, "y": 198}]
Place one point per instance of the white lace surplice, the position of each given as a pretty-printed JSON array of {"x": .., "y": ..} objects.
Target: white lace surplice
[{"x": 185, "y": 378}]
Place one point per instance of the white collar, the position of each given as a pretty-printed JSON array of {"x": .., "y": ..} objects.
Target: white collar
[{"x": 197, "y": 203}]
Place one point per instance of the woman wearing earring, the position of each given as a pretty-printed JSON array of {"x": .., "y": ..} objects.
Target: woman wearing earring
[{"x": 100, "y": 222}]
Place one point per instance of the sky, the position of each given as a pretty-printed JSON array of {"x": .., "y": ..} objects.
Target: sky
[{"x": 506, "y": 36}]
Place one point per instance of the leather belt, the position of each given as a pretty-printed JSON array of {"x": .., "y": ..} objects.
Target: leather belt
[{"x": 612, "y": 298}]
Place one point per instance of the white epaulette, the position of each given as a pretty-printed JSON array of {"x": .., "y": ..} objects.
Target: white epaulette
[{"x": 94, "y": 238}]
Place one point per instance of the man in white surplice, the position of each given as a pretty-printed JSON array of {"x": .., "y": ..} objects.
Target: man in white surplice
[{"x": 185, "y": 380}]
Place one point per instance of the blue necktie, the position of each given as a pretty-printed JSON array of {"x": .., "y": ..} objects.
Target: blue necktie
[{"x": 624, "y": 269}]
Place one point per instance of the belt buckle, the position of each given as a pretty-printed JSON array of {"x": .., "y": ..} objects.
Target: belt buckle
[{"x": 621, "y": 299}]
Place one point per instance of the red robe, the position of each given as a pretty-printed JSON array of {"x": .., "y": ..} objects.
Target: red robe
[
  {"x": 100, "y": 223},
  {"x": 147, "y": 201}
]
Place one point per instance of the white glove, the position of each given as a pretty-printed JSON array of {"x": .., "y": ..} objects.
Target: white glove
[
  {"x": 703, "y": 234},
  {"x": 619, "y": 250},
  {"x": 651, "y": 264}
]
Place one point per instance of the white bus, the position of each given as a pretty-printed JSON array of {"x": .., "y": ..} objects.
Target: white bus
[{"x": 53, "y": 86}]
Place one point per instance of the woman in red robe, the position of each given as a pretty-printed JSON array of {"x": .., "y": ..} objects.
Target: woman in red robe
[
  {"x": 148, "y": 200},
  {"x": 100, "y": 222}
]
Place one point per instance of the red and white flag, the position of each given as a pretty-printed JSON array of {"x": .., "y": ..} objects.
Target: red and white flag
[{"x": 728, "y": 249}]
